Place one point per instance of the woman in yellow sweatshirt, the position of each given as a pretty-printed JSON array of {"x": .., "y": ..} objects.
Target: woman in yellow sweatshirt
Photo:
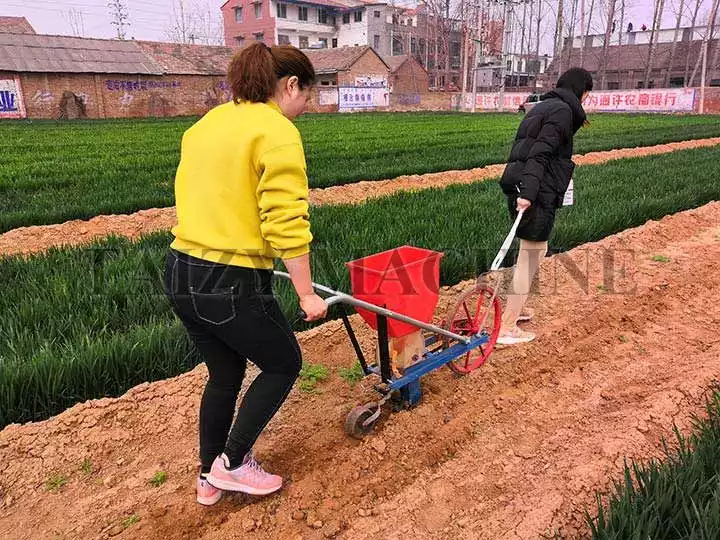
[{"x": 241, "y": 193}]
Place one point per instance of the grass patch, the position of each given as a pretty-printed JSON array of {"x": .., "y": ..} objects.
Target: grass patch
[
  {"x": 86, "y": 467},
  {"x": 91, "y": 322},
  {"x": 676, "y": 497},
  {"x": 130, "y": 521},
  {"x": 352, "y": 375},
  {"x": 56, "y": 482},
  {"x": 311, "y": 375},
  {"x": 158, "y": 479},
  {"x": 660, "y": 258},
  {"x": 56, "y": 171}
]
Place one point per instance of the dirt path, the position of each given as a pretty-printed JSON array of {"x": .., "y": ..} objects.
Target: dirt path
[
  {"x": 39, "y": 238},
  {"x": 511, "y": 451}
]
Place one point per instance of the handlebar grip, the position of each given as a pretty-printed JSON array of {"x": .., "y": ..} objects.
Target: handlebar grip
[{"x": 301, "y": 314}]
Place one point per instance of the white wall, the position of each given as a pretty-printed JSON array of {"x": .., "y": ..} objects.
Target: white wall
[
  {"x": 638, "y": 37},
  {"x": 355, "y": 33},
  {"x": 294, "y": 28}
]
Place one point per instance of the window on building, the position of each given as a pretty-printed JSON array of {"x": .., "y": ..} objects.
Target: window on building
[
  {"x": 259, "y": 36},
  {"x": 303, "y": 42},
  {"x": 613, "y": 85},
  {"x": 398, "y": 47},
  {"x": 334, "y": 43},
  {"x": 258, "y": 11},
  {"x": 283, "y": 40},
  {"x": 324, "y": 83},
  {"x": 358, "y": 16},
  {"x": 631, "y": 39},
  {"x": 302, "y": 13},
  {"x": 395, "y": 19},
  {"x": 413, "y": 45},
  {"x": 322, "y": 16},
  {"x": 238, "y": 15},
  {"x": 282, "y": 11},
  {"x": 240, "y": 40},
  {"x": 377, "y": 14},
  {"x": 677, "y": 82},
  {"x": 376, "y": 42},
  {"x": 509, "y": 66},
  {"x": 346, "y": 18},
  {"x": 715, "y": 82},
  {"x": 334, "y": 20},
  {"x": 323, "y": 42}
]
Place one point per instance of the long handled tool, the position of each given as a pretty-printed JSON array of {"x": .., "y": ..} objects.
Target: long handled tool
[{"x": 500, "y": 257}]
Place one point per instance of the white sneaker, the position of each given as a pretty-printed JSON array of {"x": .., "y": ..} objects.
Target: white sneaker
[{"x": 515, "y": 337}]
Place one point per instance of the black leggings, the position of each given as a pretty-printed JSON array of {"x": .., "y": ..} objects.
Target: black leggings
[{"x": 231, "y": 316}]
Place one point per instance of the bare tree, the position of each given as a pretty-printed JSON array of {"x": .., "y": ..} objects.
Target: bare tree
[
  {"x": 587, "y": 32},
  {"x": 120, "y": 18},
  {"x": 671, "y": 61},
  {"x": 689, "y": 51},
  {"x": 571, "y": 30},
  {"x": 76, "y": 21},
  {"x": 707, "y": 38},
  {"x": 558, "y": 47},
  {"x": 522, "y": 42},
  {"x": 606, "y": 44},
  {"x": 652, "y": 50},
  {"x": 621, "y": 30},
  {"x": 537, "y": 40},
  {"x": 196, "y": 22}
]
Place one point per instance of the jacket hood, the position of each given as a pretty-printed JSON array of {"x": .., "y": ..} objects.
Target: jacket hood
[{"x": 572, "y": 100}]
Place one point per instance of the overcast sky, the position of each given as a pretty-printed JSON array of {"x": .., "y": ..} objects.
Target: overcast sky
[{"x": 151, "y": 19}]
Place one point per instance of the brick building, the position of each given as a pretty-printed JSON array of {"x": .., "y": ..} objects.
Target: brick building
[
  {"x": 433, "y": 39},
  {"x": 626, "y": 63},
  {"x": 347, "y": 74},
  {"x": 349, "y": 66},
  {"x": 407, "y": 75},
  {"x": 61, "y": 76},
  {"x": 67, "y": 77}
]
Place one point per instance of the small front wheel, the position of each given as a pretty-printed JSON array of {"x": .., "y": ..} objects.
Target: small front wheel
[{"x": 356, "y": 423}]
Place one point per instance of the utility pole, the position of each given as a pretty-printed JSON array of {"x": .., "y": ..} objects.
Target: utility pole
[
  {"x": 503, "y": 61},
  {"x": 465, "y": 51},
  {"x": 702, "y": 77},
  {"x": 558, "y": 52}
]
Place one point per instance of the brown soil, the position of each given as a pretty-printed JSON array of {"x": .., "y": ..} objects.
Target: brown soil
[
  {"x": 514, "y": 450},
  {"x": 34, "y": 239}
]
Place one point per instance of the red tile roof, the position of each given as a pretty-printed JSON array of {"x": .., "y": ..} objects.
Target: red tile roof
[
  {"x": 334, "y": 60},
  {"x": 183, "y": 59},
  {"x": 16, "y": 25}
]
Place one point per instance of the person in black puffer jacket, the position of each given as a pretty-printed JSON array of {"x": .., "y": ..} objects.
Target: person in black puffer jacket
[{"x": 535, "y": 180}]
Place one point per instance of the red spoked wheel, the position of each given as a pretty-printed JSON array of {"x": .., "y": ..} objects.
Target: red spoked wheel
[{"x": 477, "y": 311}]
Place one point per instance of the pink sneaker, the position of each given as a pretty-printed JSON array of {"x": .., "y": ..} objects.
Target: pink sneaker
[
  {"x": 207, "y": 494},
  {"x": 249, "y": 477}
]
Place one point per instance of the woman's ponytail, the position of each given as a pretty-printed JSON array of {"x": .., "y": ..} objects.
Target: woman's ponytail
[
  {"x": 253, "y": 74},
  {"x": 255, "y": 70}
]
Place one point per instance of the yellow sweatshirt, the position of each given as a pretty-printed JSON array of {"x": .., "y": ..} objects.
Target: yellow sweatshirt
[{"x": 241, "y": 188}]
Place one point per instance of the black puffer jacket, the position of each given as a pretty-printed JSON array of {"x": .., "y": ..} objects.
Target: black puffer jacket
[{"x": 540, "y": 165}]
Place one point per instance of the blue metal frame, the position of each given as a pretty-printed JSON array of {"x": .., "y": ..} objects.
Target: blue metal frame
[
  {"x": 432, "y": 361},
  {"x": 436, "y": 360}
]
